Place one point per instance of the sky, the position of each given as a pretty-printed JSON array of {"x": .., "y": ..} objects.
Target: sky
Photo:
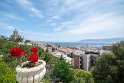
[{"x": 62, "y": 20}]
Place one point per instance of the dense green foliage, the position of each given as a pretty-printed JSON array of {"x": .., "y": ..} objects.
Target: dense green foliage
[
  {"x": 110, "y": 66},
  {"x": 6, "y": 74},
  {"x": 50, "y": 60},
  {"x": 118, "y": 50},
  {"x": 6, "y": 45},
  {"x": 62, "y": 71},
  {"x": 81, "y": 76},
  {"x": 103, "y": 70}
]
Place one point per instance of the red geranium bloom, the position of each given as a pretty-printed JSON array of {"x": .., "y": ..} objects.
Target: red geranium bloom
[
  {"x": 16, "y": 51},
  {"x": 33, "y": 58},
  {"x": 34, "y": 50},
  {"x": 25, "y": 53}
]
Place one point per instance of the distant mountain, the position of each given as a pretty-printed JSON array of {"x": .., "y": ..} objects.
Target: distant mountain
[
  {"x": 109, "y": 41},
  {"x": 87, "y": 42}
]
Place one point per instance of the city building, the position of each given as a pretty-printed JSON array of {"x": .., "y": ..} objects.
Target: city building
[
  {"x": 4, "y": 37},
  {"x": 16, "y": 36},
  {"x": 85, "y": 61},
  {"x": 66, "y": 58},
  {"x": 108, "y": 48}
]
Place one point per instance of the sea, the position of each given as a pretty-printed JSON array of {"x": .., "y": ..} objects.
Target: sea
[{"x": 79, "y": 44}]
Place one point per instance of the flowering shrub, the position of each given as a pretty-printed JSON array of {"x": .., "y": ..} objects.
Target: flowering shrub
[
  {"x": 25, "y": 53},
  {"x": 17, "y": 52},
  {"x": 33, "y": 58},
  {"x": 34, "y": 50}
]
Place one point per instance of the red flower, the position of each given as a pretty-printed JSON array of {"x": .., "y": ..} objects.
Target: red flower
[
  {"x": 34, "y": 50},
  {"x": 25, "y": 53},
  {"x": 16, "y": 51},
  {"x": 33, "y": 58}
]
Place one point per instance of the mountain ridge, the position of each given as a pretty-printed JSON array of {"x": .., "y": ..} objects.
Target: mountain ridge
[{"x": 106, "y": 40}]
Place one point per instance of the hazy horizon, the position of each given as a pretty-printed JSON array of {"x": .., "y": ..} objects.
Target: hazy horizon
[{"x": 62, "y": 21}]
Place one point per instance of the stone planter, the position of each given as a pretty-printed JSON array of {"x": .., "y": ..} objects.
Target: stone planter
[{"x": 31, "y": 75}]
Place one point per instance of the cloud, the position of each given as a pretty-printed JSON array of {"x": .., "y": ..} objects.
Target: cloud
[
  {"x": 37, "y": 12},
  {"x": 29, "y": 6},
  {"x": 56, "y": 17},
  {"x": 75, "y": 4},
  {"x": 107, "y": 25},
  {"x": 12, "y": 28},
  {"x": 84, "y": 4},
  {"x": 62, "y": 27},
  {"x": 48, "y": 35},
  {"x": 57, "y": 29},
  {"x": 88, "y": 18},
  {"x": 98, "y": 23},
  {"x": 65, "y": 23},
  {"x": 6, "y": 26},
  {"x": 14, "y": 17},
  {"x": 29, "y": 32}
]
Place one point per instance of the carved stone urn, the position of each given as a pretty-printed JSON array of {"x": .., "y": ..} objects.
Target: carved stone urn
[{"x": 31, "y": 75}]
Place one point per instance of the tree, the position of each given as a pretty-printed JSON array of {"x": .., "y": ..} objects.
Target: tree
[
  {"x": 118, "y": 50},
  {"x": 41, "y": 53},
  {"x": 6, "y": 74},
  {"x": 109, "y": 66},
  {"x": 26, "y": 41},
  {"x": 81, "y": 76},
  {"x": 62, "y": 72},
  {"x": 5, "y": 46},
  {"x": 103, "y": 69},
  {"x": 51, "y": 60},
  {"x": 47, "y": 56}
]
